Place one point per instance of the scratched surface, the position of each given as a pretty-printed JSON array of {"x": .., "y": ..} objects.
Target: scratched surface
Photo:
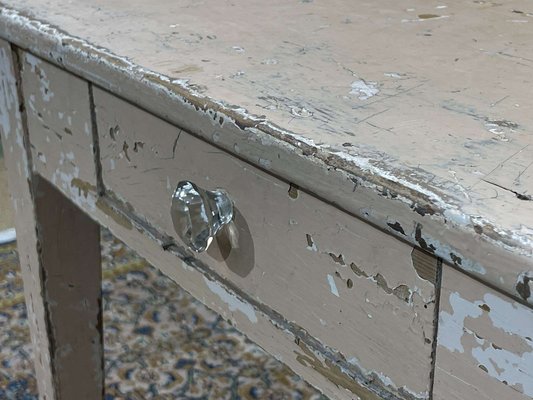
[
  {"x": 425, "y": 90},
  {"x": 432, "y": 96},
  {"x": 346, "y": 283},
  {"x": 58, "y": 116}
]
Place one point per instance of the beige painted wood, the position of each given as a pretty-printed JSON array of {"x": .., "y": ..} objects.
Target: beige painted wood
[
  {"x": 485, "y": 345},
  {"x": 60, "y": 260},
  {"x": 426, "y": 160},
  {"x": 337, "y": 382},
  {"x": 352, "y": 287},
  {"x": 59, "y": 123},
  {"x": 293, "y": 350}
]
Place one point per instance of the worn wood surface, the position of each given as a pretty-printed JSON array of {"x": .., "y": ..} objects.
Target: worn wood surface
[
  {"x": 60, "y": 260},
  {"x": 485, "y": 345},
  {"x": 428, "y": 116},
  {"x": 59, "y": 122},
  {"x": 69, "y": 255},
  {"x": 295, "y": 254},
  {"x": 286, "y": 340}
]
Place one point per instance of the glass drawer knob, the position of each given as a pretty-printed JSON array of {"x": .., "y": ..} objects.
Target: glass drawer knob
[{"x": 198, "y": 214}]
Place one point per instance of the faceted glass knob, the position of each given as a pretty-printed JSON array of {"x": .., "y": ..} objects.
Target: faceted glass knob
[{"x": 198, "y": 214}]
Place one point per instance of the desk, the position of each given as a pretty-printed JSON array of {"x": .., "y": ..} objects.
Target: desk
[{"x": 378, "y": 157}]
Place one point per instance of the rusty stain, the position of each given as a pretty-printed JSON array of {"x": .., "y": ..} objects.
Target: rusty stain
[
  {"x": 82, "y": 186},
  {"x": 332, "y": 373}
]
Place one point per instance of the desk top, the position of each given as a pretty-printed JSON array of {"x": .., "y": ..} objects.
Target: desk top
[{"x": 425, "y": 103}]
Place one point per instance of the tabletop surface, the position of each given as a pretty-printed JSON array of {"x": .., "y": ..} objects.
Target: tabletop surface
[{"x": 438, "y": 93}]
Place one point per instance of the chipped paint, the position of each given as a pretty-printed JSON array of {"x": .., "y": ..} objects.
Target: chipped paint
[
  {"x": 332, "y": 285},
  {"x": 35, "y": 65},
  {"x": 65, "y": 48},
  {"x": 364, "y": 90},
  {"x": 234, "y": 303},
  {"x": 7, "y": 96},
  {"x": 513, "y": 368},
  {"x": 524, "y": 285},
  {"x": 310, "y": 243},
  {"x": 451, "y": 326}
]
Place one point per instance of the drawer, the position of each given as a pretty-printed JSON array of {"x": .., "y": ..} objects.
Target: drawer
[
  {"x": 57, "y": 106},
  {"x": 364, "y": 295},
  {"x": 485, "y": 343}
]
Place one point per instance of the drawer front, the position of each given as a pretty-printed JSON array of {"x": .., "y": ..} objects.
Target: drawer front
[
  {"x": 485, "y": 343},
  {"x": 357, "y": 290},
  {"x": 59, "y": 121}
]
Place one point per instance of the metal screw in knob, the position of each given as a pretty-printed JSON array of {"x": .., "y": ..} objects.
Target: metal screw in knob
[{"x": 198, "y": 214}]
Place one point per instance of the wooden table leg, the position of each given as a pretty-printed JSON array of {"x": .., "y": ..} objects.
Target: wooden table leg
[{"x": 59, "y": 250}]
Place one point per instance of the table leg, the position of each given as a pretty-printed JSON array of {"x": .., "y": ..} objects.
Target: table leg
[{"x": 59, "y": 251}]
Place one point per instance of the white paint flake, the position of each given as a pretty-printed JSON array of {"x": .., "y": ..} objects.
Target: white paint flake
[
  {"x": 34, "y": 64},
  {"x": 364, "y": 90},
  {"x": 265, "y": 163},
  {"x": 515, "y": 368},
  {"x": 233, "y": 302},
  {"x": 451, "y": 326},
  {"x": 332, "y": 286}
]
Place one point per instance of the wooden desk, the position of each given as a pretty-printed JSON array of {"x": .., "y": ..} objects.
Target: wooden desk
[{"x": 379, "y": 157}]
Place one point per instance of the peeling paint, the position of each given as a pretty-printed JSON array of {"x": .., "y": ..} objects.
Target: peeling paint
[
  {"x": 512, "y": 368},
  {"x": 364, "y": 90},
  {"x": 332, "y": 285},
  {"x": 113, "y": 214},
  {"x": 35, "y": 63},
  {"x": 62, "y": 46},
  {"x": 333, "y": 373},
  {"x": 524, "y": 285},
  {"x": 8, "y": 97},
  {"x": 234, "y": 303}
]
